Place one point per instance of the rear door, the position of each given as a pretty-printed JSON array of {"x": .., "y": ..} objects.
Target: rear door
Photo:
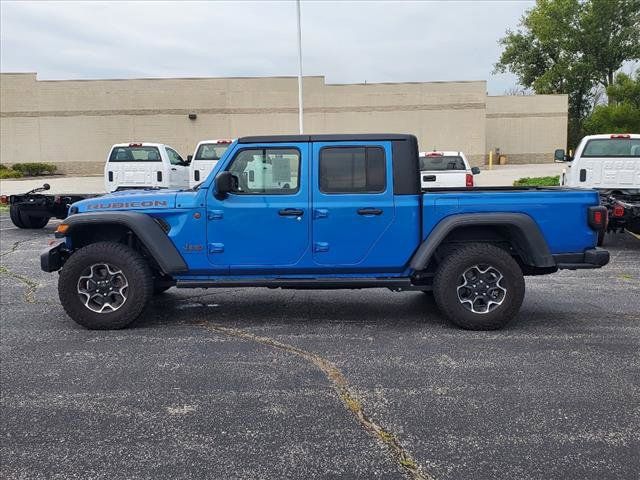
[{"x": 353, "y": 203}]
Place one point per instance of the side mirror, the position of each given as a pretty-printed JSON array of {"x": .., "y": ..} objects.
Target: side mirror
[
  {"x": 475, "y": 170},
  {"x": 225, "y": 182},
  {"x": 46, "y": 186},
  {"x": 189, "y": 158},
  {"x": 559, "y": 155}
]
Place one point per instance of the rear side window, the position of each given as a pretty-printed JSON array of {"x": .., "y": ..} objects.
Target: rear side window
[
  {"x": 210, "y": 151},
  {"x": 438, "y": 163},
  {"x": 352, "y": 170},
  {"x": 612, "y": 147},
  {"x": 135, "y": 154}
]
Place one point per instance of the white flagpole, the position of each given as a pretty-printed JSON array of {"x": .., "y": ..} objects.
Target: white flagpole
[{"x": 300, "y": 121}]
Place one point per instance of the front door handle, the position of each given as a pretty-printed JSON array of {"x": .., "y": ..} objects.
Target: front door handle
[
  {"x": 369, "y": 211},
  {"x": 291, "y": 212},
  {"x": 174, "y": 169}
]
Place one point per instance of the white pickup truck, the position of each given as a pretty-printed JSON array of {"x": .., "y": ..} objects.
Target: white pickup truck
[
  {"x": 207, "y": 154},
  {"x": 446, "y": 169},
  {"x": 144, "y": 165},
  {"x": 609, "y": 163}
]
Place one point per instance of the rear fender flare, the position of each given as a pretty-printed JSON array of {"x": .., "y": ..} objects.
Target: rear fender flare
[
  {"x": 148, "y": 231},
  {"x": 523, "y": 229}
]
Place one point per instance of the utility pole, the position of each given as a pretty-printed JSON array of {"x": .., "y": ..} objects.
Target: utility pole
[{"x": 300, "y": 110}]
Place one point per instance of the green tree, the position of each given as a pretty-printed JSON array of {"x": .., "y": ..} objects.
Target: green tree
[
  {"x": 572, "y": 47},
  {"x": 622, "y": 114}
]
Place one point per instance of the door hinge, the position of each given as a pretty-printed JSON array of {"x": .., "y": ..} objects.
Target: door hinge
[
  {"x": 215, "y": 215},
  {"x": 321, "y": 247},
  {"x": 320, "y": 213},
  {"x": 216, "y": 247}
]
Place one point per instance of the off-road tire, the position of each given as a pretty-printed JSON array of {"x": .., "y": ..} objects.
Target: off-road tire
[
  {"x": 21, "y": 220},
  {"x": 449, "y": 275},
  {"x": 133, "y": 266}
]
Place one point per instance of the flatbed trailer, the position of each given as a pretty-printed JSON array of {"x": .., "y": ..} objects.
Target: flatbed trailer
[{"x": 33, "y": 210}]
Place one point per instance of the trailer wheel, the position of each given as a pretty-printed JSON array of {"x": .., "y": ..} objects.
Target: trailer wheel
[
  {"x": 21, "y": 220},
  {"x": 479, "y": 287},
  {"x": 16, "y": 218}
]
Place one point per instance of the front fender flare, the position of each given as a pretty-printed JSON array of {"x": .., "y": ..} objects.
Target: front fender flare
[
  {"x": 148, "y": 231},
  {"x": 522, "y": 228}
]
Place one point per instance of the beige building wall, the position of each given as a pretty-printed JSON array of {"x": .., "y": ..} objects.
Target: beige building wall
[
  {"x": 527, "y": 128},
  {"x": 73, "y": 123}
]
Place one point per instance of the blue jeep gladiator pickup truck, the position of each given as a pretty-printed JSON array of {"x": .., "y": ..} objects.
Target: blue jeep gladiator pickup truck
[{"x": 322, "y": 212}]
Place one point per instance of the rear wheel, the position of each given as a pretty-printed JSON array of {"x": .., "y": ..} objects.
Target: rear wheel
[
  {"x": 105, "y": 286},
  {"x": 479, "y": 287}
]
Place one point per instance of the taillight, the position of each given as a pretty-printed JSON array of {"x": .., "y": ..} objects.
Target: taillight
[
  {"x": 4, "y": 199},
  {"x": 196, "y": 175},
  {"x": 468, "y": 180},
  {"x": 597, "y": 217},
  {"x": 111, "y": 176},
  {"x": 159, "y": 176},
  {"x": 618, "y": 211}
]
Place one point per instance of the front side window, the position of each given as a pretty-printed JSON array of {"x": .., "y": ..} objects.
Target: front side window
[
  {"x": 210, "y": 151},
  {"x": 352, "y": 170},
  {"x": 612, "y": 147},
  {"x": 174, "y": 157},
  {"x": 441, "y": 162},
  {"x": 270, "y": 171},
  {"x": 135, "y": 154}
]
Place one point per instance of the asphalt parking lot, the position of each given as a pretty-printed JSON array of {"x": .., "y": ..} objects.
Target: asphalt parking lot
[{"x": 270, "y": 384}]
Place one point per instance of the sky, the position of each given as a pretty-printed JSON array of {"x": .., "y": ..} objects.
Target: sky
[{"x": 347, "y": 42}]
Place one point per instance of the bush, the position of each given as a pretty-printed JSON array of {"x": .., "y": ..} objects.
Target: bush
[
  {"x": 34, "y": 169},
  {"x": 3, "y": 167},
  {"x": 537, "y": 181},
  {"x": 8, "y": 173}
]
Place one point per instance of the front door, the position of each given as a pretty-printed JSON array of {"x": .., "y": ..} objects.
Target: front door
[
  {"x": 265, "y": 225},
  {"x": 178, "y": 170},
  {"x": 353, "y": 204}
]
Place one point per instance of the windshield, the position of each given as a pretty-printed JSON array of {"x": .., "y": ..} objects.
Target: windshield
[
  {"x": 453, "y": 162},
  {"x": 612, "y": 147},
  {"x": 211, "y": 151},
  {"x": 135, "y": 154}
]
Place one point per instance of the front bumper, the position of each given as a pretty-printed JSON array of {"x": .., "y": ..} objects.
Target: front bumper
[
  {"x": 53, "y": 257},
  {"x": 591, "y": 258}
]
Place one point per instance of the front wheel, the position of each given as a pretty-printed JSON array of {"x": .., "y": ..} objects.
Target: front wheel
[
  {"x": 105, "y": 286},
  {"x": 479, "y": 287}
]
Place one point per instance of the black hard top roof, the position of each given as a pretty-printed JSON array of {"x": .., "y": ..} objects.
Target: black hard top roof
[{"x": 356, "y": 137}]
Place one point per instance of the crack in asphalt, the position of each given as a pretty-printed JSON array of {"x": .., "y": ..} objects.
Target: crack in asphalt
[
  {"x": 30, "y": 285},
  {"x": 346, "y": 394},
  {"x": 13, "y": 248}
]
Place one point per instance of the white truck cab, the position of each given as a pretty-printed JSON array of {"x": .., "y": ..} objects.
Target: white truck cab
[
  {"x": 205, "y": 157},
  {"x": 608, "y": 162},
  {"x": 446, "y": 169},
  {"x": 144, "y": 165}
]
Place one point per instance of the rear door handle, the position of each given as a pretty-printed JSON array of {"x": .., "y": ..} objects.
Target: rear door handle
[
  {"x": 429, "y": 178},
  {"x": 369, "y": 211},
  {"x": 291, "y": 212}
]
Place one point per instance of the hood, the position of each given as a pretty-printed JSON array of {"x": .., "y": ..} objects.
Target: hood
[{"x": 128, "y": 200}]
